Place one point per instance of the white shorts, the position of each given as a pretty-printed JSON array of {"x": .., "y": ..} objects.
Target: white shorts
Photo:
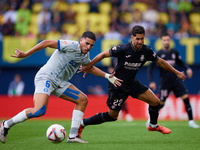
[{"x": 48, "y": 87}]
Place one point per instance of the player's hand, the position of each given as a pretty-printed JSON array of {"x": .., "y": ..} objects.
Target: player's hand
[
  {"x": 152, "y": 85},
  {"x": 117, "y": 81},
  {"x": 181, "y": 75},
  {"x": 19, "y": 54},
  {"x": 114, "y": 80},
  {"x": 189, "y": 73},
  {"x": 84, "y": 68}
]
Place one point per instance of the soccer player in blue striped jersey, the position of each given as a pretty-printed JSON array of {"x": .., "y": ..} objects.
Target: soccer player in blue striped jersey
[
  {"x": 53, "y": 78},
  {"x": 169, "y": 81}
]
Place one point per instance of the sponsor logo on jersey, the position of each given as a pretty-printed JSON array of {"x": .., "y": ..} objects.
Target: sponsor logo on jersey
[
  {"x": 132, "y": 66},
  {"x": 65, "y": 42}
]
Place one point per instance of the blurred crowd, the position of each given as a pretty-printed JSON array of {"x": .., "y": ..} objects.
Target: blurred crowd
[{"x": 113, "y": 19}]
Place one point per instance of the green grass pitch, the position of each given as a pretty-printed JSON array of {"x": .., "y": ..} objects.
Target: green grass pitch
[{"x": 119, "y": 135}]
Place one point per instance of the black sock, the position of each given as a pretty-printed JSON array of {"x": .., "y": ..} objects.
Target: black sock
[
  {"x": 160, "y": 107},
  {"x": 188, "y": 108},
  {"x": 98, "y": 119},
  {"x": 153, "y": 112}
]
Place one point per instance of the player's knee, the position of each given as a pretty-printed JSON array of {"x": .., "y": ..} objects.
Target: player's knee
[
  {"x": 155, "y": 103},
  {"x": 38, "y": 113},
  {"x": 83, "y": 100}
]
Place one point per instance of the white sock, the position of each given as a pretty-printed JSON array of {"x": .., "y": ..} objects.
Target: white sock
[
  {"x": 191, "y": 121},
  {"x": 20, "y": 117},
  {"x": 76, "y": 121},
  {"x": 82, "y": 123},
  {"x": 153, "y": 125}
]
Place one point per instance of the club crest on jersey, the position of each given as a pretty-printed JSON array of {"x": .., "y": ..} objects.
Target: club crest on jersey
[
  {"x": 114, "y": 48},
  {"x": 173, "y": 56},
  {"x": 162, "y": 56},
  {"x": 142, "y": 57}
]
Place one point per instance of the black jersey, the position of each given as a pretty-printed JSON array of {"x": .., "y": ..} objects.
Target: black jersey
[
  {"x": 130, "y": 61},
  {"x": 173, "y": 58}
]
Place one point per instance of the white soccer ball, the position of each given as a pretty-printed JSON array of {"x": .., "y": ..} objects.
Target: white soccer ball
[{"x": 56, "y": 133}]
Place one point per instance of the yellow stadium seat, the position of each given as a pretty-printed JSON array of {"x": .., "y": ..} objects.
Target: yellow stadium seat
[
  {"x": 34, "y": 18},
  {"x": 33, "y": 29},
  {"x": 195, "y": 27},
  {"x": 194, "y": 18},
  {"x": 128, "y": 17},
  {"x": 140, "y": 6},
  {"x": 164, "y": 17},
  {"x": 104, "y": 19},
  {"x": 37, "y": 7},
  {"x": 94, "y": 18},
  {"x": 105, "y": 7},
  {"x": 70, "y": 28},
  {"x": 81, "y": 8},
  {"x": 81, "y": 19}
]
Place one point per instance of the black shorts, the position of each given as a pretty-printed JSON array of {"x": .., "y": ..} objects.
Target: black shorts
[
  {"x": 116, "y": 97},
  {"x": 176, "y": 86}
]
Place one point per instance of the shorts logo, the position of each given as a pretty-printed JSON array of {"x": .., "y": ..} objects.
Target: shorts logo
[
  {"x": 45, "y": 90},
  {"x": 65, "y": 42}
]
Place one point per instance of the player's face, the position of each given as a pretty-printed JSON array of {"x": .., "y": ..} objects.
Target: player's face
[
  {"x": 166, "y": 40},
  {"x": 137, "y": 41},
  {"x": 86, "y": 44}
]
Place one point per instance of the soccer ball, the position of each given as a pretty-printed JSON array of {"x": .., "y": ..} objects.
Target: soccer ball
[{"x": 56, "y": 133}]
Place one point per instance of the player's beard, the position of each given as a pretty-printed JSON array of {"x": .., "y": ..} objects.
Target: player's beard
[{"x": 167, "y": 46}]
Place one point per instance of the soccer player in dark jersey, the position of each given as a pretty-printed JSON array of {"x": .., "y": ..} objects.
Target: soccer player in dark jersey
[
  {"x": 124, "y": 108},
  {"x": 131, "y": 57},
  {"x": 169, "y": 81}
]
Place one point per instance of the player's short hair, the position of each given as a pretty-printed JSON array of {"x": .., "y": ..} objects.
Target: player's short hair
[
  {"x": 89, "y": 34},
  {"x": 137, "y": 29},
  {"x": 165, "y": 34}
]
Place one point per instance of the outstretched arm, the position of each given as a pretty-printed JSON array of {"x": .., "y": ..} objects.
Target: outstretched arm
[
  {"x": 163, "y": 64},
  {"x": 98, "y": 58},
  {"x": 97, "y": 72},
  {"x": 39, "y": 46}
]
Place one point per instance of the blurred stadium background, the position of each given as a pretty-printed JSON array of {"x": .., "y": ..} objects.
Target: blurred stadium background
[{"x": 24, "y": 23}]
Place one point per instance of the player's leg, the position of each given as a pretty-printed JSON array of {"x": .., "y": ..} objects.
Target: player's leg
[
  {"x": 188, "y": 108},
  {"x": 181, "y": 91},
  {"x": 39, "y": 109},
  {"x": 150, "y": 98},
  {"x": 115, "y": 101},
  {"x": 74, "y": 95},
  {"x": 99, "y": 118}
]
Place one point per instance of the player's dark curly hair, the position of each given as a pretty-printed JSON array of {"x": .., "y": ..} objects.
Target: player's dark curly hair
[
  {"x": 137, "y": 29},
  {"x": 89, "y": 34}
]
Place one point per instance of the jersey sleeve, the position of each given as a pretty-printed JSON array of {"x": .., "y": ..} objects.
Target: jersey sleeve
[
  {"x": 153, "y": 56},
  {"x": 116, "y": 51},
  {"x": 180, "y": 62},
  {"x": 64, "y": 45}
]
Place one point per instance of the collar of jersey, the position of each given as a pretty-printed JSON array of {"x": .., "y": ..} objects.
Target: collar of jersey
[{"x": 134, "y": 48}]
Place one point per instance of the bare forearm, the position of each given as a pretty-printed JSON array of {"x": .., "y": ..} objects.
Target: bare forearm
[
  {"x": 97, "y": 72},
  {"x": 163, "y": 64},
  {"x": 42, "y": 45}
]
